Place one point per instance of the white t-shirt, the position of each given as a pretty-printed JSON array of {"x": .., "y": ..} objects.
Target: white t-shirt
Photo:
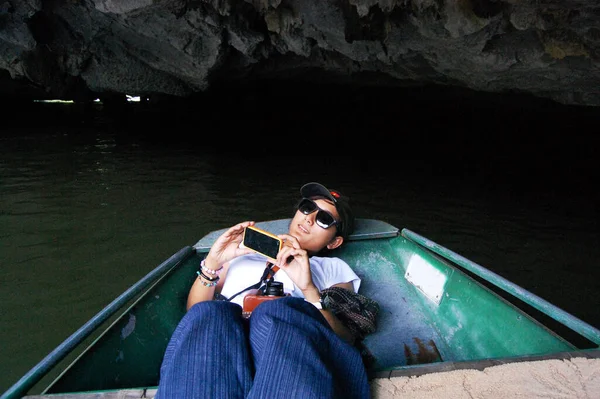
[{"x": 248, "y": 269}]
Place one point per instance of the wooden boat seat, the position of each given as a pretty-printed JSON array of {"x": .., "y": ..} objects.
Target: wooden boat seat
[{"x": 364, "y": 229}]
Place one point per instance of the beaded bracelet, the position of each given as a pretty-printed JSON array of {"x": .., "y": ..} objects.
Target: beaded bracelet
[
  {"x": 211, "y": 283},
  {"x": 204, "y": 276},
  {"x": 214, "y": 272}
]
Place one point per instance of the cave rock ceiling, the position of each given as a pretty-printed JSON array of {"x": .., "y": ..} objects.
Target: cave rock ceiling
[{"x": 82, "y": 49}]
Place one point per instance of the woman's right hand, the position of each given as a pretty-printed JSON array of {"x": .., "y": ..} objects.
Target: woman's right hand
[{"x": 227, "y": 246}]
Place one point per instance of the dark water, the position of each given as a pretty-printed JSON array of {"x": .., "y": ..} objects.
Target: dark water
[{"x": 91, "y": 202}]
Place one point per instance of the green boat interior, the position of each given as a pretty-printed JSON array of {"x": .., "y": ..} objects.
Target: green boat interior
[{"x": 431, "y": 312}]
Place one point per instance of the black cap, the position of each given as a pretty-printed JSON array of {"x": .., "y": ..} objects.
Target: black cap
[{"x": 345, "y": 225}]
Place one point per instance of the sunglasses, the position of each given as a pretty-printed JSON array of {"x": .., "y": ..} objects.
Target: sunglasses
[{"x": 324, "y": 219}]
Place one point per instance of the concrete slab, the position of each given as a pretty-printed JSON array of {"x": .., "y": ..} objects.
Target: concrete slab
[{"x": 553, "y": 378}]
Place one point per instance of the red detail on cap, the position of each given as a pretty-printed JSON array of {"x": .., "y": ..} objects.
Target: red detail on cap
[{"x": 335, "y": 194}]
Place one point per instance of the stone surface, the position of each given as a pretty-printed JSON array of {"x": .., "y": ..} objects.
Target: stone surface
[
  {"x": 554, "y": 378},
  {"x": 576, "y": 378},
  {"x": 83, "y": 49}
]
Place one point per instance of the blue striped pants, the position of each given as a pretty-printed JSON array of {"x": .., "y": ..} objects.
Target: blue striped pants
[{"x": 286, "y": 350}]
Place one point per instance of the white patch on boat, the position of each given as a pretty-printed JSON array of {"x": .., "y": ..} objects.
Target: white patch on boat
[
  {"x": 426, "y": 278},
  {"x": 128, "y": 329}
]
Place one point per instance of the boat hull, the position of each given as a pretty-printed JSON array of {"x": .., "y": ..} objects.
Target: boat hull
[{"x": 434, "y": 316}]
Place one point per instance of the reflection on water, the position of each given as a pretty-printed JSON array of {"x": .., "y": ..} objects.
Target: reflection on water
[{"x": 88, "y": 211}]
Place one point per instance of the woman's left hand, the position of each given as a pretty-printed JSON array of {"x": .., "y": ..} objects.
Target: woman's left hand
[{"x": 294, "y": 261}]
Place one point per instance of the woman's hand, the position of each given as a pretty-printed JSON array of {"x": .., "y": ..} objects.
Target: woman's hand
[
  {"x": 227, "y": 246},
  {"x": 294, "y": 261}
]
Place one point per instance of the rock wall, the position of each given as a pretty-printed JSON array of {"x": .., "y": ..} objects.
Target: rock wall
[{"x": 82, "y": 49}]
